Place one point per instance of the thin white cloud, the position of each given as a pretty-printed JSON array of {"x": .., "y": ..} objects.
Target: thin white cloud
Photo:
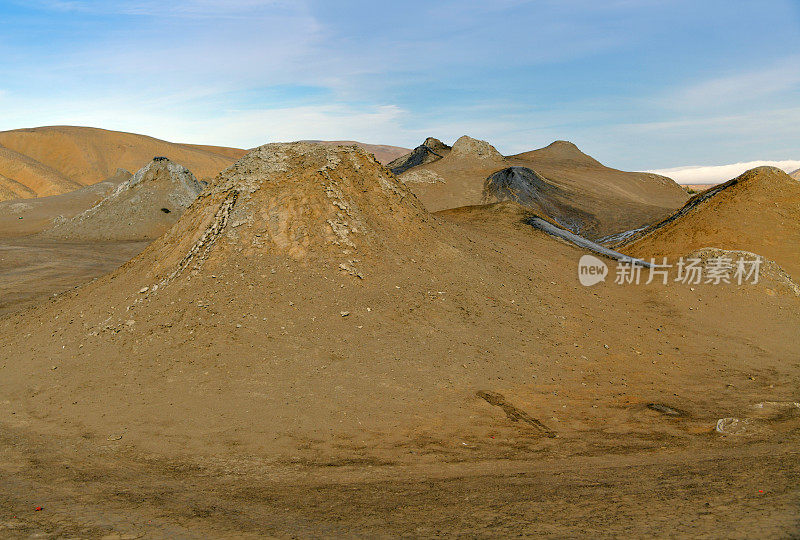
[
  {"x": 721, "y": 173},
  {"x": 730, "y": 89}
]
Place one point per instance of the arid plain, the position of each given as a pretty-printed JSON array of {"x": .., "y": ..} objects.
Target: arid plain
[{"x": 311, "y": 339}]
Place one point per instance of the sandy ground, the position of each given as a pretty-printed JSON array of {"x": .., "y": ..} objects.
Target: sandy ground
[
  {"x": 31, "y": 270},
  {"x": 91, "y": 491},
  {"x": 323, "y": 357}
]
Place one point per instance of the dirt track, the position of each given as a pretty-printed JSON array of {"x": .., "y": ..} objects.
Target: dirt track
[{"x": 731, "y": 490}]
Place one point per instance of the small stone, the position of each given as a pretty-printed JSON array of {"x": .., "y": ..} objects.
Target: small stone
[
  {"x": 144, "y": 290},
  {"x": 732, "y": 426},
  {"x": 345, "y": 313}
]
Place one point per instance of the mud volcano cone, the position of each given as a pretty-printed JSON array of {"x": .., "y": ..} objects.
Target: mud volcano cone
[
  {"x": 329, "y": 205},
  {"x": 141, "y": 208}
]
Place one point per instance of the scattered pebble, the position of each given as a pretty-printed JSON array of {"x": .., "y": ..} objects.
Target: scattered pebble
[{"x": 345, "y": 313}]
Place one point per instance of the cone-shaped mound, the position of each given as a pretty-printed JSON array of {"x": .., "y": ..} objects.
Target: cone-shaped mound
[
  {"x": 141, "y": 208},
  {"x": 456, "y": 179},
  {"x": 618, "y": 200},
  {"x": 758, "y": 211},
  {"x": 563, "y": 152},
  {"x": 530, "y": 189},
  {"x": 437, "y": 146},
  {"x": 303, "y": 200},
  {"x": 468, "y": 148},
  {"x": 429, "y": 151}
]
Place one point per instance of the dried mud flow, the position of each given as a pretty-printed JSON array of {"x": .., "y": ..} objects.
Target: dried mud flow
[{"x": 309, "y": 351}]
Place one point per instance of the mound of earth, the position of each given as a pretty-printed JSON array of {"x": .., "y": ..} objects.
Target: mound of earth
[
  {"x": 54, "y": 160},
  {"x": 796, "y": 174},
  {"x": 141, "y": 208},
  {"x": 382, "y": 152},
  {"x": 758, "y": 212},
  {"x": 526, "y": 187},
  {"x": 429, "y": 151},
  {"x": 457, "y": 178},
  {"x": 587, "y": 197},
  {"x": 617, "y": 200}
]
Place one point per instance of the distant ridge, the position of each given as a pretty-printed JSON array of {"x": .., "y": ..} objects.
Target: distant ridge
[
  {"x": 52, "y": 160},
  {"x": 573, "y": 188}
]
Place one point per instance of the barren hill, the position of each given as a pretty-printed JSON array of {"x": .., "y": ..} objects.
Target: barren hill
[
  {"x": 796, "y": 174},
  {"x": 141, "y": 208},
  {"x": 616, "y": 199},
  {"x": 22, "y": 177},
  {"x": 455, "y": 179},
  {"x": 592, "y": 199},
  {"x": 758, "y": 212},
  {"x": 54, "y": 160},
  {"x": 429, "y": 151}
]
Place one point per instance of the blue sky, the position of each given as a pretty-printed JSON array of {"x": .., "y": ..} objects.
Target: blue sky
[{"x": 639, "y": 84}]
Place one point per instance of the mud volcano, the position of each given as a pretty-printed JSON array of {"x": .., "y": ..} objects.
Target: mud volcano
[
  {"x": 528, "y": 188},
  {"x": 428, "y": 152},
  {"x": 141, "y": 208}
]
